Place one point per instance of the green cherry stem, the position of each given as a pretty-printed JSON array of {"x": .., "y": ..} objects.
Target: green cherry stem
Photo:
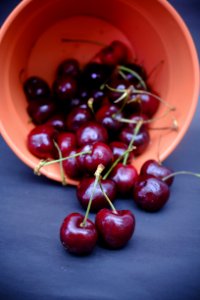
[
  {"x": 181, "y": 173},
  {"x": 63, "y": 178},
  {"x": 116, "y": 162},
  {"x": 97, "y": 175},
  {"x": 135, "y": 74},
  {"x": 136, "y": 130},
  {"x": 48, "y": 162},
  {"x": 107, "y": 198}
]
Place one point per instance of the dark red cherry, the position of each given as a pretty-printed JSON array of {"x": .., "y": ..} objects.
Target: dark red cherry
[
  {"x": 152, "y": 168},
  {"x": 118, "y": 149},
  {"x": 120, "y": 85},
  {"x": 41, "y": 110},
  {"x": 71, "y": 166},
  {"x": 78, "y": 102},
  {"x": 40, "y": 141},
  {"x": 66, "y": 141},
  {"x": 148, "y": 104},
  {"x": 75, "y": 237},
  {"x": 141, "y": 139},
  {"x": 136, "y": 118},
  {"x": 108, "y": 116},
  {"x": 85, "y": 188},
  {"x": 57, "y": 121},
  {"x": 90, "y": 133},
  {"x": 69, "y": 67},
  {"x": 114, "y": 54},
  {"x": 95, "y": 74},
  {"x": 77, "y": 117},
  {"x": 115, "y": 228},
  {"x": 99, "y": 97},
  {"x": 139, "y": 70},
  {"x": 64, "y": 88},
  {"x": 125, "y": 177},
  {"x": 150, "y": 193},
  {"x": 100, "y": 154},
  {"x": 36, "y": 88}
]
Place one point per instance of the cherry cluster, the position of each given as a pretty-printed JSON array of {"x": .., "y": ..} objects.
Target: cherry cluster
[{"x": 98, "y": 115}]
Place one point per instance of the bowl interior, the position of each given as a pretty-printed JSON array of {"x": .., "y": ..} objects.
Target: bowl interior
[{"x": 38, "y": 35}]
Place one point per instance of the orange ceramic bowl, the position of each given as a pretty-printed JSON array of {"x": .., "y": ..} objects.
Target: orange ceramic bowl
[{"x": 31, "y": 43}]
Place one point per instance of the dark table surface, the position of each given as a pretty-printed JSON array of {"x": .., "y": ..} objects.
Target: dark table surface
[{"x": 162, "y": 261}]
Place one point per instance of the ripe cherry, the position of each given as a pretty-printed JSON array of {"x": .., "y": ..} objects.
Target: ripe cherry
[
  {"x": 85, "y": 188},
  {"x": 64, "y": 88},
  {"x": 69, "y": 67},
  {"x": 91, "y": 132},
  {"x": 66, "y": 141},
  {"x": 71, "y": 166},
  {"x": 40, "y": 141},
  {"x": 41, "y": 110},
  {"x": 36, "y": 88},
  {"x": 75, "y": 237},
  {"x": 57, "y": 121},
  {"x": 125, "y": 177},
  {"x": 115, "y": 228},
  {"x": 119, "y": 148},
  {"x": 150, "y": 193},
  {"x": 95, "y": 74},
  {"x": 105, "y": 116},
  {"x": 77, "y": 117},
  {"x": 152, "y": 168},
  {"x": 114, "y": 54}
]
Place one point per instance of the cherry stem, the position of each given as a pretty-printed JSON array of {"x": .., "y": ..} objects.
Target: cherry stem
[
  {"x": 90, "y": 104},
  {"x": 43, "y": 163},
  {"x": 116, "y": 162},
  {"x": 136, "y": 131},
  {"x": 135, "y": 74},
  {"x": 181, "y": 173},
  {"x": 97, "y": 175},
  {"x": 107, "y": 198},
  {"x": 63, "y": 178},
  {"x": 65, "y": 40}
]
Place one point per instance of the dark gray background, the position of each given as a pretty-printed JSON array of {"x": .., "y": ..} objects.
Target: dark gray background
[{"x": 162, "y": 261}]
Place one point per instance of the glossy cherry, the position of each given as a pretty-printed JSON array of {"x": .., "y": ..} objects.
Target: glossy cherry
[
  {"x": 75, "y": 237},
  {"x": 71, "y": 166},
  {"x": 108, "y": 116},
  {"x": 151, "y": 193},
  {"x": 66, "y": 141},
  {"x": 84, "y": 190},
  {"x": 68, "y": 67},
  {"x": 64, "y": 88},
  {"x": 36, "y": 88},
  {"x": 90, "y": 133},
  {"x": 152, "y": 168},
  {"x": 40, "y": 141},
  {"x": 77, "y": 117},
  {"x": 148, "y": 104},
  {"x": 114, "y": 54},
  {"x": 115, "y": 228},
  {"x": 41, "y": 110},
  {"x": 118, "y": 148},
  {"x": 125, "y": 177},
  {"x": 141, "y": 139},
  {"x": 138, "y": 69},
  {"x": 57, "y": 121},
  {"x": 95, "y": 74},
  {"x": 117, "y": 84},
  {"x": 100, "y": 154}
]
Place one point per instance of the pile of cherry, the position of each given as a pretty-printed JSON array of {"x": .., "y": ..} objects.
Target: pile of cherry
[{"x": 94, "y": 123}]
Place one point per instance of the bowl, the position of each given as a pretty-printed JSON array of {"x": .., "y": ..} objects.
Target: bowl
[{"x": 33, "y": 42}]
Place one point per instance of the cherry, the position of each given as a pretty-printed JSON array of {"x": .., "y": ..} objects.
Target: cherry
[
  {"x": 64, "y": 88},
  {"x": 115, "y": 228},
  {"x": 114, "y": 54},
  {"x": 148, "y": 104},
  {"x": 57, "y": 121},
  {"x": 40, "y": 141},
  {"x": 91, "y": 132},
  {"x": 105, "y": 116},
  {"x": 100, "y": 154},
  {"x": 36, "y": 88},
  {"x": 118, "y": 149},
  {"x": 41, "y": 110},
  {"x": 75, "y": 237},
  {"x": 77, "y": 117},
  {"x": 136, "y": 68},
  {"x": 85, "y": 188},
  {"x": 151, "y": 193},
  {"x": 99, "y": 98},
  {"x": 125, "y": 177},
  {"x": 136, "y": 117},
  {"x": 66, "y": 141},
  {"x": 69, "y": 67},
  {"x": 116, "y": 85},
  {"x": 71, "y": 166},
  {"x": 78, "y": 102},
  {"x": 141, "y": 139},
  {"x": 95, "y": 74},
  {"x": 152, "y": 168}
]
